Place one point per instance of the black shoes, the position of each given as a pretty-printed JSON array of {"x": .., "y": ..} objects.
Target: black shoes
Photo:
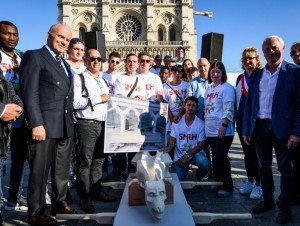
[
  {"x": 262, "y": 207},
  {"x": 283, "y": 217}
]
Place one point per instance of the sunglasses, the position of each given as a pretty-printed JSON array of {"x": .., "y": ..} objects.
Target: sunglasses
[
  {"x": 293, "y": 52},
  {"x": 113, "y": 61},
  {"x": 92, "y": 59},
  {"x": 143, "y": 61}
]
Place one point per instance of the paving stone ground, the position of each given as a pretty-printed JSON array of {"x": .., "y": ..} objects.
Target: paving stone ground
[{"x": 199, "y": 198}]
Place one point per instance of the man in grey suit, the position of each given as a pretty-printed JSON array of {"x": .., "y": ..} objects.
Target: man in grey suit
[
  {"x": 272, "y": 119},
  {"x": 47, "y": 91}
]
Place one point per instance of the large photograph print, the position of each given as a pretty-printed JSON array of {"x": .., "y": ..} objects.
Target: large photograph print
[{"x": 133, "y": 125}]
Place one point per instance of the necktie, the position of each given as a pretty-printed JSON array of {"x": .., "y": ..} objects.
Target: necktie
[{"x": 58, "y": 59}]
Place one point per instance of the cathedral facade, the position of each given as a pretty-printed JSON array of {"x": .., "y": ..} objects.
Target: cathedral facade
[{"x": 132, "y": 26}]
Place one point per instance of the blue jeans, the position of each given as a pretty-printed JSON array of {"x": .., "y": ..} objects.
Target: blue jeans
[
  {"x": 264, "y": 140},
  {"x": 199, "y": 159}
]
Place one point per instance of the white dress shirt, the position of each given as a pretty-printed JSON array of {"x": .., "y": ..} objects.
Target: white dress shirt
[
  {"x": 96, "y": 87},
  {"x": 267, "y": 87}
]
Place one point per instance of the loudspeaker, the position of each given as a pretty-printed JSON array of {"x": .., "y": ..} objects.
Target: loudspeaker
[
  {"x": 212, "y": 46},
  {"x": 96, "y": 40}
]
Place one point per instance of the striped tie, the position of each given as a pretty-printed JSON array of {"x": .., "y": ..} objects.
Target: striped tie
[{"x": 58, "y": 59}]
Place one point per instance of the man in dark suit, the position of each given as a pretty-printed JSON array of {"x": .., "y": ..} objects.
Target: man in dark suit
[
  {"x": 272, "y": 119},
  {"x": 47, "y": 91}
]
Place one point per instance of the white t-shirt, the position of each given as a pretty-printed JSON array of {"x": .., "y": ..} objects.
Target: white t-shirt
[
  {"x": 213, "y": 100},
  {"x": 12, "y": 76},
  {"x": 173, "y": 100},
  {"x": 187, "y": 137},
  {"x": 76, "y": 71},
  {"x": 153, "y": 84},
  {"x": 124, "y": 84},
  {"x": 111, "y": 79},
  {"x": 7, "y": 68}
]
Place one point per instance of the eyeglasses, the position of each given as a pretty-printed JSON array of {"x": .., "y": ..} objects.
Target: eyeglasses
[
  {"x": 293, "y": 52},
  {"x": 143, "y": 61},
  {"x": 113, "y": 61},
  {"x": 92, "y": 59},
  {"x": 248, "y": 58}
]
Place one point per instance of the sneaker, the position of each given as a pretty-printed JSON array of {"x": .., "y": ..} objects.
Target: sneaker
[
  {"x": 22, "y": 201},
  {"x": 223, "y": 194},
  {"x": 10, "y": 206},
  {"x": 247, "y": 188},
  {"x": 48, "y": 199},
  {"x": 256, "y": 192}
]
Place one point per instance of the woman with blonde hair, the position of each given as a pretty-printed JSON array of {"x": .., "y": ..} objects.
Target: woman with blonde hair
[{"x": 250, "y": 62}]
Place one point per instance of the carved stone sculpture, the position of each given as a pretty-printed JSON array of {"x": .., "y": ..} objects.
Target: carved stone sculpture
[{"x": 150, "y": 172}]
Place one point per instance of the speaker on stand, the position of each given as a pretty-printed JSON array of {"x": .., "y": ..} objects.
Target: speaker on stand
[
  {"x": 212, "y": 46},
  {"x": 96, "y": 40}
]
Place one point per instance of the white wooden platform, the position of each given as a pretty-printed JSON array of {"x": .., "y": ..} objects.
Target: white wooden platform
[{"x": 177, "y": 214}]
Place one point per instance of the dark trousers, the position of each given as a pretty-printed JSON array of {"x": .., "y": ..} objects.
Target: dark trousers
[
  {"x": 124, "y": 161},
  {"x": 250, "y": 158},
  {"x": 54, "y": 153},
  {"x": 296, "y": 169},
  {"x": 90, "y": 157},
  {"x": 19, "y": 152},
  {"x": 264, "y": 140},
  {"x": 220, "y": 161}
]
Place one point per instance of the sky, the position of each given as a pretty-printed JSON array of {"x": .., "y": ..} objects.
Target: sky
[{"x": 243, "y": 23}]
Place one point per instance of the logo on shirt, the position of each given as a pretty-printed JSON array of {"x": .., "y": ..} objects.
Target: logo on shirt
[
  {"x": 187, "y": 137},
  {"x": 129, "y": 87},
  {"x": 211, "y": 96}
]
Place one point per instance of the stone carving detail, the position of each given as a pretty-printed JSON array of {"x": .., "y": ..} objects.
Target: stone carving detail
[
  {"x": 86, "y": 1},
  {"x": 128, "y": 28},
  {"x": 167, "y": 19},
  {"x": 150, "y": 172},
  {"x": 156, "y": 11},
  {"x": 99, "y": 11},
  {"x": 112, "y": 9},
  {"x": 87, "y": 18},
  {"x": 74, "y": 11}
]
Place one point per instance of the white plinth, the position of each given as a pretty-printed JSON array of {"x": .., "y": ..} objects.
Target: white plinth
[{"x": 177, "y": 214}]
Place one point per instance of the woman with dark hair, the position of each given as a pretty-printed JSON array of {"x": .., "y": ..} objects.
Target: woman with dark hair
[
  {"x": 219, "y": 125},
  {"x": 187, "y": 63}
]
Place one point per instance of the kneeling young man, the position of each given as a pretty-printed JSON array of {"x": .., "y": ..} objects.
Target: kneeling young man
[{"x": 189, "y": 136}]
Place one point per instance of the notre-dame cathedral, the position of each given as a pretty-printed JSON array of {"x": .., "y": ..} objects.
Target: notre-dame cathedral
[{"x": 155, "y": 26}]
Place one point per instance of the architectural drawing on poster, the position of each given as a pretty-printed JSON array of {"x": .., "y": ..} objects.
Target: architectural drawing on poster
[{"x": 133, "y": 125}]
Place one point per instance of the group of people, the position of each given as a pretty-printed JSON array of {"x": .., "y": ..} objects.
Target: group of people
[{"x": 203, "y": 111}]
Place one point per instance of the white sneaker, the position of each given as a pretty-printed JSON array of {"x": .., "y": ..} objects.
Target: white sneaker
[
  {"x": 248, "y": 186},
  {"x": 10, "y": 206},
  {"x": 256, "y": 192}
]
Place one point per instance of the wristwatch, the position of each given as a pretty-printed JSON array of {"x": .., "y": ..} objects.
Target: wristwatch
[{"x": 224, "y": 125}]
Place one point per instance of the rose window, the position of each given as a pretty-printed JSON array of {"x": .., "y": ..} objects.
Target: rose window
[{"x": 128, "y": 28}]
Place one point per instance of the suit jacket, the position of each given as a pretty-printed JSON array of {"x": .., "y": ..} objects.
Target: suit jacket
[
  {"x": 47, "y": 93},
  {"x": 285, "y": 114}
]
